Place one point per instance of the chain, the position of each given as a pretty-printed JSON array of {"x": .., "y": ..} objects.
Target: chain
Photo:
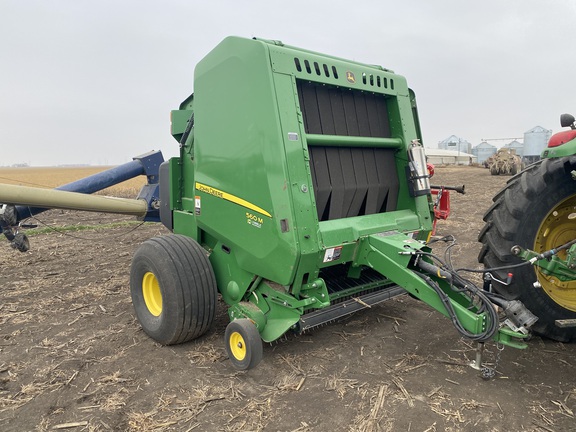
[{"x": 488, "y": 373}]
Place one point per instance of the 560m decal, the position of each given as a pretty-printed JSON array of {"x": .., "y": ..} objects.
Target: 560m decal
[{"x": 232, "y": 198}]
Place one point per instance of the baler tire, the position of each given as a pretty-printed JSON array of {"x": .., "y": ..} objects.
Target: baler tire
[
  {"x": 243, "y": 344},
  {"x": 528, "y": 212},
  {"x": 173, "y": 289}
]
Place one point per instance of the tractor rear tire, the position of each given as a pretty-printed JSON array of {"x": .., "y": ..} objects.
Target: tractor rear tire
[
  {"x": 536, "y": 210},
  {"x": 173, "y": 289}
]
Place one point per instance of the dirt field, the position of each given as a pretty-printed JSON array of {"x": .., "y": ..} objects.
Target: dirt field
[{"x": 73, "y": 357}]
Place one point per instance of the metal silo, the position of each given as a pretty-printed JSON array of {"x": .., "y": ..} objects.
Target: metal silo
[
  {"x": 456, "y": 144},
  {"x": 535, "y": 141},
  {"x": 483, "y": 151},
  {"x": 516, "y": 145}
]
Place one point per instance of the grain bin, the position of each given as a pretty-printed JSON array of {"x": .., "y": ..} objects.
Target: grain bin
[
  {"x": 517, "y": 146},
  {"x": 455, "y": 143},
  {"x": 535, "y": 141},
  {"x": 483, "y": 151}
]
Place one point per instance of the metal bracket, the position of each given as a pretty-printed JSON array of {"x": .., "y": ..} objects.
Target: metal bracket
[
  {"x": 549, "y": 263},
  {"x": 565, "y": 323},
  {"x": 477, "y": 362}
]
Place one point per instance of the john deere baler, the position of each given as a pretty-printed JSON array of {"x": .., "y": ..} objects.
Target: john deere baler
[{"x": 300, "y": 195}]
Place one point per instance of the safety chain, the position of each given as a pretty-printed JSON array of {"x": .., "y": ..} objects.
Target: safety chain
[{"x": 488, "y": 373}]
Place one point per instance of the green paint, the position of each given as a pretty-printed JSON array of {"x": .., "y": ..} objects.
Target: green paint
[
  {"x": 566, "y": 149},
  {"x": 244, "y": 184}
]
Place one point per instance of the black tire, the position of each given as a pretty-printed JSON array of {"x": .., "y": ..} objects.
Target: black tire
[
  {"x": 523, "y": 214},
  {"x": 243, "y": 344},
  {"x": 494, "y": 170},
  {"x": 173, "y": 289}
]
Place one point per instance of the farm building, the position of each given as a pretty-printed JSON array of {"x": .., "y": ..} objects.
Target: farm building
[
  {"x": 483, "y": 151},
  {"x": 449, "y": 157}
]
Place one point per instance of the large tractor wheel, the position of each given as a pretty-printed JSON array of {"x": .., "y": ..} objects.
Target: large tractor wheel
[
  {"x": 173, "y": 289},
  {"x": 537, "y": 211}
]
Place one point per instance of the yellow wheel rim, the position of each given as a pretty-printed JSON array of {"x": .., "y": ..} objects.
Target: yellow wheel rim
[
  {"x": 558, "y": 228},
  {"x": 152, "y": 294},
  {"x": 237, "y": 346}
]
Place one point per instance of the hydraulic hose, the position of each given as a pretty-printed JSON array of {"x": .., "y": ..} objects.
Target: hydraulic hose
[
  {"x": 455, "y": 280},
  {"x": 492, "y": 321}
]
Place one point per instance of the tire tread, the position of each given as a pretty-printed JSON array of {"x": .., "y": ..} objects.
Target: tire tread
[{"x": 507, "y": 224}]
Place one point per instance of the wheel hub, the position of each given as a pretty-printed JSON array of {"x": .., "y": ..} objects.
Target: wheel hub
[
  {"x": 237, "y": 346},
  {"x": 152, "y": 294},
  {"x": 559, "y": 227}
]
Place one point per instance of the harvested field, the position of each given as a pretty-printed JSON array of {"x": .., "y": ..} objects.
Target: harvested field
[
  {"x": 50, "y": 177},
  {"x": 73, "y": 357}
]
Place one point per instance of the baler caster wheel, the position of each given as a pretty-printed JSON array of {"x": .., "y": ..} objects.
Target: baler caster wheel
[{"x": 243, "y": 344}]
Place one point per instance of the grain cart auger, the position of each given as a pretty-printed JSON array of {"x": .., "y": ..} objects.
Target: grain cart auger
[
  {"x": 301, "y": 195},
  {"x": 23, "y": 202}
]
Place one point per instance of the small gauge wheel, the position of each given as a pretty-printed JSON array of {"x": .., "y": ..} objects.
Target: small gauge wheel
[{"x": 243, "y": 344}]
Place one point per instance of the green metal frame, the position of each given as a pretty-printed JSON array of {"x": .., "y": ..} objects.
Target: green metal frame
[
  {"x": 563, "y": 270},
  {"x": 243, "y": 188}
]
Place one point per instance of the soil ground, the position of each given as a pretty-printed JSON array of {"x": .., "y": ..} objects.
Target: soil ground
[{"x": 73, "y": 356}]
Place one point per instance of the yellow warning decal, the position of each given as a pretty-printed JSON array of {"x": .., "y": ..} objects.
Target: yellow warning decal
[{"x": 229, "y": 197}]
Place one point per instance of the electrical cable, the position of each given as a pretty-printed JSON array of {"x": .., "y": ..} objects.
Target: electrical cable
[
  {"x": 543, "y": 255},
  {"x": 487, "y": 270},
  {"x": 40, "y": 222}
]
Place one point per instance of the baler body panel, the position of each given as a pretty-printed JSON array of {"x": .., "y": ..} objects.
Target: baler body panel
[{"x": 240, "y": 173}]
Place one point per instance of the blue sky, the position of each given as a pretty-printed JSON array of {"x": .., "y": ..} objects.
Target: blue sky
[{"x": 93, "y": 82}]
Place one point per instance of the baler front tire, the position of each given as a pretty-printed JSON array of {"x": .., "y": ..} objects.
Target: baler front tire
[
  {"x": 173, "y": 289},
  {"x": 243, "y": 344},
  {"x": 534, "y": 211}
]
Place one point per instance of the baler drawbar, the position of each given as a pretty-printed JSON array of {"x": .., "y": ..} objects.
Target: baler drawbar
[{"x": 301, "y": 194}]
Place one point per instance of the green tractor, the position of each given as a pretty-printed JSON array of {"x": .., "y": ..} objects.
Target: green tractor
[{"x": 533, "y": 221}]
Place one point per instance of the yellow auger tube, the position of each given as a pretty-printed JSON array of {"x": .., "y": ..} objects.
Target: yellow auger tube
[{"x": 57, "y": 199}]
